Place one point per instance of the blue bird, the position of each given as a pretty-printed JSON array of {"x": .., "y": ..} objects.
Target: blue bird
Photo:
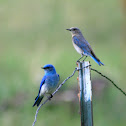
[
  {"x": 82, "y": 46},
  {"x": 48, "y": 84}
]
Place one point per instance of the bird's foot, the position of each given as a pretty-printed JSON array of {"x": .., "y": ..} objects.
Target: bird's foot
[
  {"x": 50, "y": 96},
  {"x": 79, "y": 59},
  {"x": 84, "y": 58},
  {"x": 77, "y": 62}
]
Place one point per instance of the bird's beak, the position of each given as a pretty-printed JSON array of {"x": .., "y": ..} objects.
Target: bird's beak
[
  {"x": 68, "y": 29},
  {"x": 42, "y": 67}
]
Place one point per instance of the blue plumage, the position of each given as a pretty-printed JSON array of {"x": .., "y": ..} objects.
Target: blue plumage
[
  {"x": 98, "y": 62},
  {"x": 48, "y": 84}
]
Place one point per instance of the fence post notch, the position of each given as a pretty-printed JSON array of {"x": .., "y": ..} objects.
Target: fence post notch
[{"x": 85, "y": 98}]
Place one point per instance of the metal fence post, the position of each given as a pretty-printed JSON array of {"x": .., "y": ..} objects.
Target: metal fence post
[{"x": 86, "y": 111}]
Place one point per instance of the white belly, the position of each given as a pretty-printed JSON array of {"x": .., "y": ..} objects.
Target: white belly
[
  {"x": 44, "y": 89},
  {"x": 48, "y": 88},
  {"x": 78, "y": 49}
]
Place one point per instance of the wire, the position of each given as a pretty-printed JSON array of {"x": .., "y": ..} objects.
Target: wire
[{"x": 109, "y": 80}]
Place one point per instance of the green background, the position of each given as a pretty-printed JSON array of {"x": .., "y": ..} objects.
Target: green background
[{"x": 32, "y": 34}]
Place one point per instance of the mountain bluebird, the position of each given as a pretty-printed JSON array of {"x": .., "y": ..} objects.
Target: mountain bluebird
[
  {"x": 82, "y": 46},
  {"x": 48, "y": 84}
]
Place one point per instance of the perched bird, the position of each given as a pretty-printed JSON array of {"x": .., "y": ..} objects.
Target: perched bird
[
  {"x": 82, "y": 46},
  {"x": 48, "y": 84}
]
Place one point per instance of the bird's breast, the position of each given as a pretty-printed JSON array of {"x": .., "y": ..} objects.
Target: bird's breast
[
  {"x": 50, "y": 84},
  {"x": 78, "y": 49}
]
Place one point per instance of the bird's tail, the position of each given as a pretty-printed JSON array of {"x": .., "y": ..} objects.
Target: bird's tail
[
  {"x": 37, "y": 100},
  {"x": 97, "y": 61}
]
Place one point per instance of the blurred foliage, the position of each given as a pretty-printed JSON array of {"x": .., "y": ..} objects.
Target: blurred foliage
[{"x": 32, "y": 33}]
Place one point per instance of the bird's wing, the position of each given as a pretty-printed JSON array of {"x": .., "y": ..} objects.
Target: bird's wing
[
  {"x": 85, "y": 46},
  {"x": 42, "y": 82},
  {"x": 38, "y": 99},
  {"x": 82, "y": 43}
]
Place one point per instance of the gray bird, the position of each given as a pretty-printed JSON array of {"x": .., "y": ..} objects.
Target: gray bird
[{"x": 82, "y": 46}]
